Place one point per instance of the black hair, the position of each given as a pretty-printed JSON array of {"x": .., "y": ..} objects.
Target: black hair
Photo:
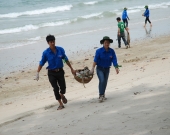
[
  {"x": 118, "y": 19},
  {"x": 50, "y": 38}
]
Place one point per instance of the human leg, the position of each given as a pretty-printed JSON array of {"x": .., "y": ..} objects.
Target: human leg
[
  {"x": 119, "y": 41},
  {"x": 125, "y": 22},
  {"x": 123, "y": 38},
  {"x": 61, "y": 82},
  {"x": 149, "y": 21},
  {"x": 106, "y": 76},
  {"x": 53, "y": 80},
  {"x": 101, "y": 77},
  {"x": 62, "y": 85},
  {"x": 145, "y": 22}
]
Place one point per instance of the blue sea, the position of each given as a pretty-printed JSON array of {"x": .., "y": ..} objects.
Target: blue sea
[
  {"x": 25, "y": 22},
  {"x": 77, "y": 25}
]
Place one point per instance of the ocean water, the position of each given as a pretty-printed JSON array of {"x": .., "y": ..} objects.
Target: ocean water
[{"x": 25, "y": 22}]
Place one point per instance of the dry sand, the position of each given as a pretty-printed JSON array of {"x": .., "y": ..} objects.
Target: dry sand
[{"x": 138, "y": 98}]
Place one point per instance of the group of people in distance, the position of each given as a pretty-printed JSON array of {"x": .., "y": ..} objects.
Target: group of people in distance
[
  {"x": 146, "y": 14},
  {"x": 103, "y": 60},
  {"x": 124, "y": 25}
]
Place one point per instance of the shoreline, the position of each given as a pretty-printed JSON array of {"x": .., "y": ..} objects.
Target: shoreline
[
  {"x": 73, "y": 54},
  {"x": 28, "y": 56}
]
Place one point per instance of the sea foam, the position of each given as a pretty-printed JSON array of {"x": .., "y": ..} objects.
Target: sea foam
[
  {"x": 91, "y": 3},
  {"x": 37, "y": 12},
  {"x": 33, "y": 27}
]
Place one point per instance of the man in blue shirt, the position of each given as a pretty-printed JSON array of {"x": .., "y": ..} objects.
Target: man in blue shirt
[
  {"x": 55, "y": 55},
  {"x": 147, "y": 14},
  {"x": 125, "y": 17},
  {"x": 104, "y": 58}
]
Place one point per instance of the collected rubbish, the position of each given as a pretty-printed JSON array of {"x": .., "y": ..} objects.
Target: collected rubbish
[{"x": 83, "y": 75}]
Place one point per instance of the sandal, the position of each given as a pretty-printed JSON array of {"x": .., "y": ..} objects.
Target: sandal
[
  {"x": 60, "y": 108},
  {"x": 64, "y": 99}
]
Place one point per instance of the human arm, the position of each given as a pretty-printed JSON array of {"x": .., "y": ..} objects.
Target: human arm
[
  {"x": 96, "y": 58},
  {"x": 42, "y": 62},
  {"x": 115, "y": 64},
  {"x": 93, "y": 67},
  {"x": 65, "y": 58},
  {"x": 118, "y": 31},
  {"x": 37, "y": 75},
  {"x": 39, "y": 68},
  {"x": 145, "y": 13},
  {"x": 72, "y": 70}
]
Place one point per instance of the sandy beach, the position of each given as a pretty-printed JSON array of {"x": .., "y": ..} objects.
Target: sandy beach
[{"x": 138, "y": 98}]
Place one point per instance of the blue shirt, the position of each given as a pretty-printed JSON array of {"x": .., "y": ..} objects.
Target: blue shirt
[
  {"x": 146, "y": 14},
  {"x": 105, "y": 58},
  {"x": 54, "y": 60},
  {"x": 124, "y": 15}
]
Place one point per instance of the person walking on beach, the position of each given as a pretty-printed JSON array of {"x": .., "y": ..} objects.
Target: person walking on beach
[
  {"x": 125, "y": 17},
  {"x": 54, "y": 56},
  {"x": 104, "y": 58},
  {"x": 121, "y": 33},
  {"x": 147, "y": 14}
]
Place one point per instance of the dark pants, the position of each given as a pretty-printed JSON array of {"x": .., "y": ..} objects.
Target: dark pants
[
  {"x": 103, "y": 74},
  {"x": 147, "y": 19},
  {"x": 57, "y": 81},
  {"x": 125, "y": 22},
  {"x": 122, "y": 35}
]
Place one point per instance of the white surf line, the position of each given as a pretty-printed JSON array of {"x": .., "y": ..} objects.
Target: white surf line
[{"x": 102, "y": 29}]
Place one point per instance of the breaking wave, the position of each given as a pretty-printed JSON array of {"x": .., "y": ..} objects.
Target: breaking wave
[
  {"x": 58, "y": 23},
  {"x": 37, "y": 12}
]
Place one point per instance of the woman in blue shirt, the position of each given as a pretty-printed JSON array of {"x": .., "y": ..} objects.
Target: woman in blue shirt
[
  {"x": 147, "y": 14},
  {"x": 125, "y": 17},
  {"x": 104, "y": 58}
]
